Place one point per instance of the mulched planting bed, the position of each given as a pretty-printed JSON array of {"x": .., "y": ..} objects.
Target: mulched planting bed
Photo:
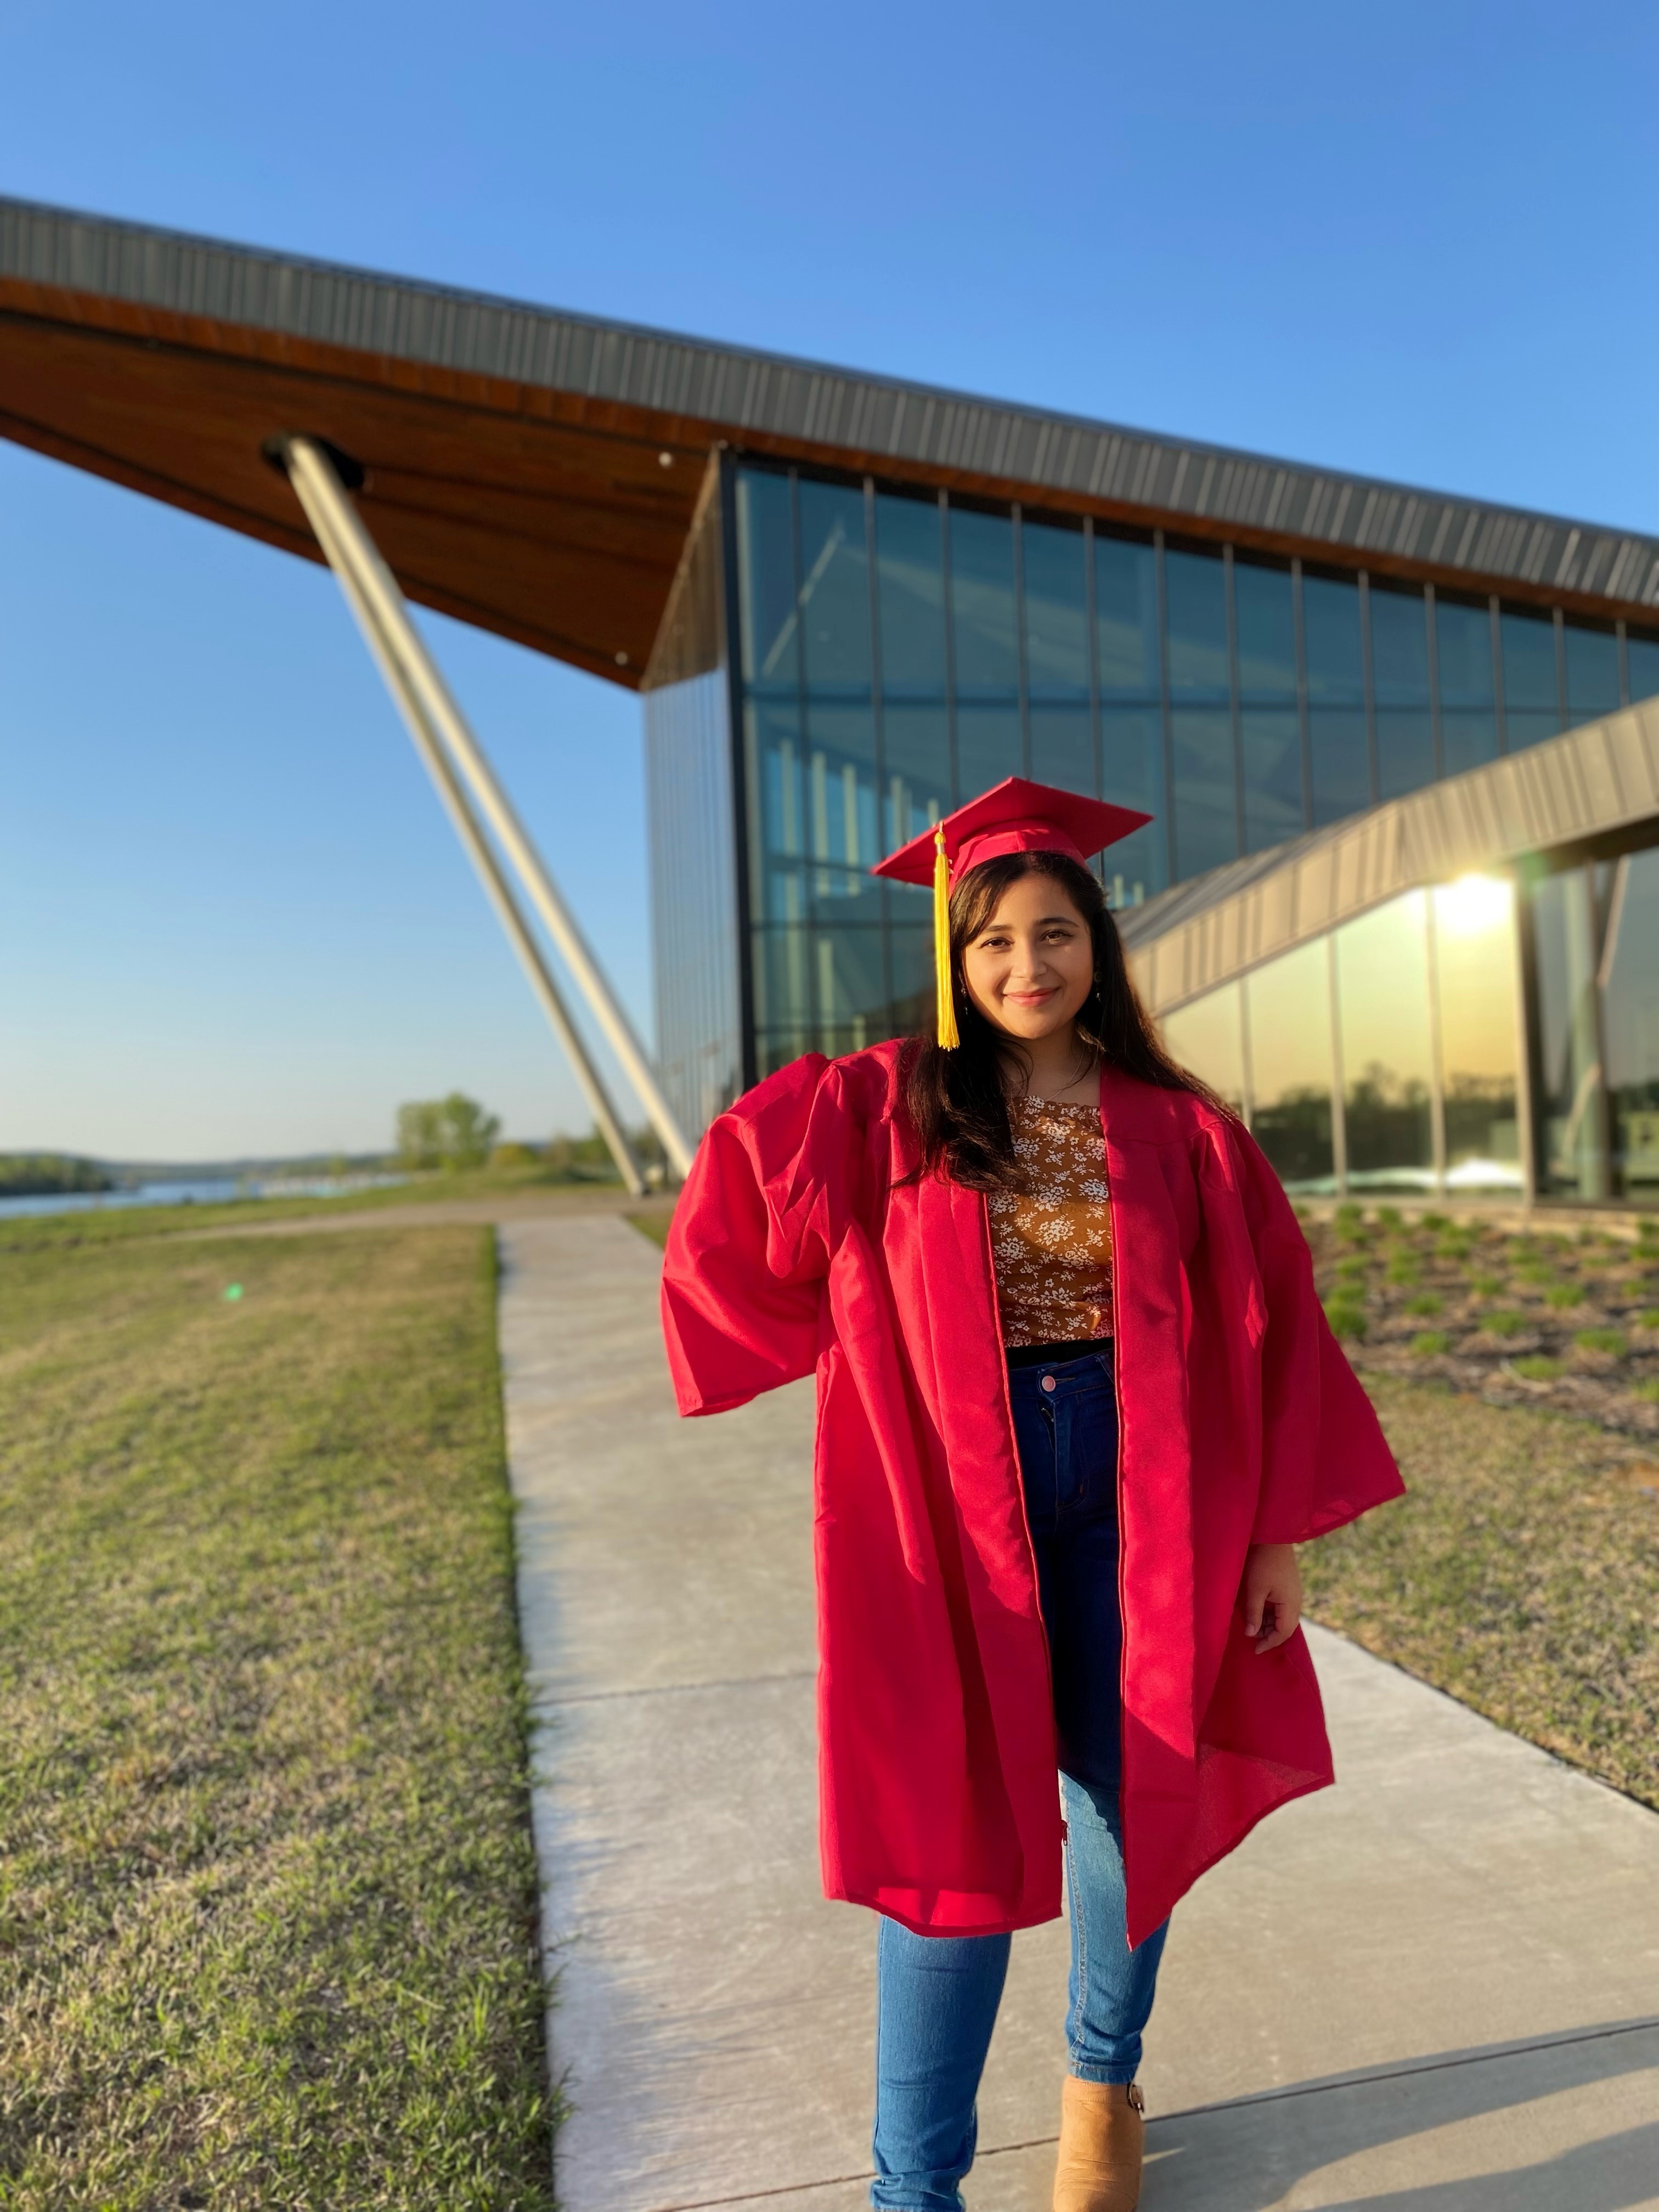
[{"x": 1567, "y": 1322}]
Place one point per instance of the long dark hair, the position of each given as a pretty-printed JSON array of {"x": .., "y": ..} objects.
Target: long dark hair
[{"x": 958, "y": 1100}]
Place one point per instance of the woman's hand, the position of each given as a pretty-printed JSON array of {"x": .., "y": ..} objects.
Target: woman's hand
[{"x": 1271, "y": 1591}]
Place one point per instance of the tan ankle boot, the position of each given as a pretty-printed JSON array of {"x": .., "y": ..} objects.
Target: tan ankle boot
[{"x": 1101, "y": 2137}]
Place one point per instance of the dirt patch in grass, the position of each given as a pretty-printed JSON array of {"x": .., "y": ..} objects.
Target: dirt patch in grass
[
  {"x": 1520, "y": 1573},
  {"x": 267, "y": 1891}
]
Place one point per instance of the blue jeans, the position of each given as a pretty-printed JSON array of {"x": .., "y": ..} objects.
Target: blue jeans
[{"x": 937, "y": 1995}]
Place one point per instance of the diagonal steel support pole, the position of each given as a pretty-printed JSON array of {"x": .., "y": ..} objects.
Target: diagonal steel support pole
[
  {"x": 436, "y": 721},
  {"x": 498, "y": 890}
]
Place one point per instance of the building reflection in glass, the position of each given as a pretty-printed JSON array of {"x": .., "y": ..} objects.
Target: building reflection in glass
[
  {"x": 1445, "y": 959},
  {"x": 1288, "y": 1005},
  {"x": 1474, "y": 931},
  {"x": 1208, "y": 1036},
  {"x": 1387, "y": 1071},
  {"x": 1630, "y": 1015},
  {"x": 1596, "y": 950},
  {"x": 1569, "y": 915}
]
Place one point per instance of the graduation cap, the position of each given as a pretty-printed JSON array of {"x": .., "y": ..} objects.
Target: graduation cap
[{"x": 1015, "y": 816}]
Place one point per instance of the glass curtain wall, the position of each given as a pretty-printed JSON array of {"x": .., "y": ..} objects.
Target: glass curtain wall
[
  {"x": 1287, "y": 1004},
  {"x": 1596, "y": 957},
  {"x": 898, "y": 652},
  {"x": 1474, "y": 924},
  {"x": 689, "y": 816},
  {"x": 1338, "y": 746},
  {"x": 1204, "y": 812},
  {"x": 1128, "y": 672},
  {"x": 1387, "y": 1052},
  {"x": 1269, "y": 722},
  {"x": 1400, "y": 686},
  {"x": 1383, "y": 1056},
  {"x": 1208, "y": 1036},
  {"x": 1466, "y": 665},
  {"x": 1641, "y": 665}
]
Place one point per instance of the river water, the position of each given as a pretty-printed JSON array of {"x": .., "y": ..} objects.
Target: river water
[{"x": 209, "y": 1191}]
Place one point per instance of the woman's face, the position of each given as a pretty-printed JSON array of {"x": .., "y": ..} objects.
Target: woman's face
[{"x": 1031, "y": 967}]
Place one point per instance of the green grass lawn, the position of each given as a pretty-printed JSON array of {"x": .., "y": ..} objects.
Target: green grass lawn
[
  {"x": 267, "y": 1891},
  {"x": 1521, "y": 1573}
]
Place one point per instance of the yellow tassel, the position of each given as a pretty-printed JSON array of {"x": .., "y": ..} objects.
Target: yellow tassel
[{"x": 946, "y": 996}]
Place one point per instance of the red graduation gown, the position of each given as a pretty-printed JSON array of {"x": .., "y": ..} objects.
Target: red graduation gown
[{"x": 1240, "y": 1422}]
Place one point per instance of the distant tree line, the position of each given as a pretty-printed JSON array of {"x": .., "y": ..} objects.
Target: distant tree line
[
  {"x": 45, "y": 1175},
  {"x": 445, "y": 1132},
  {"x": 455, "y": 1132}
]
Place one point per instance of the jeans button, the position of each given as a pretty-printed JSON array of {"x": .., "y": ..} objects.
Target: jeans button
[{"x": 1048, "y": 1382}]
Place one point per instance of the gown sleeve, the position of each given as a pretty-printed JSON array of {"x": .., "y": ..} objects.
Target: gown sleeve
[
  {"x": 743, "y": 1273},
  {"x": 1324, "y": 1459}
]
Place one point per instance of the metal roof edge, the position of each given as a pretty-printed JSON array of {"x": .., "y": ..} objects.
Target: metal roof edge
[{"x": 782, "y": 396}]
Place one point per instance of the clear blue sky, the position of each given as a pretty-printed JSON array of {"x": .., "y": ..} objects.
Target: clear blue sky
[{"x": 1416, "y": 241}]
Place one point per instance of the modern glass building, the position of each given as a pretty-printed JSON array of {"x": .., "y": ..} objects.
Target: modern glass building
[
  {"x": 1401, "y": 900},
  {"x": 847, "y": 659}
]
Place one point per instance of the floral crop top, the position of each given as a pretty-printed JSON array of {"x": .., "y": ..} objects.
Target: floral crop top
[{"x": 1052, "y": 1242}]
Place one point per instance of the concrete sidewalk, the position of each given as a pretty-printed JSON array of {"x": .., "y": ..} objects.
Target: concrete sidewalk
[{"x": 1432, "y": 1990}]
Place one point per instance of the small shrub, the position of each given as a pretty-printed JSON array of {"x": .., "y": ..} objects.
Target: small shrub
[
  {"x": 1349, "y": 1216},
  {"x": 512, "y": 1155},
  {"x": 1389, "y": 1217},
  {"x": 1403, "y": 1268},
  {"x": 1428, "y": 1343},
  {"x": 1351, "y": 1270},
  {"x": 1505, "y": 1324},
  {"x": 1425, "y": 1303},
  {"x": 1565, "y": 1294},
  {"x": 1455, "y": 1248},
  {"x": 1536, "y": 1369},
  {"x": 1436, "y": 1221},
  {"x": 1648, "y": 1390},
  {"x": 1602, "y": 1339},
  {"x": 1346, "y": 1318},
  {"x": 1535, "y": 1271},
  {"x": 1648, "y": 1317},
  {"x": 1485, "y": 1287}
]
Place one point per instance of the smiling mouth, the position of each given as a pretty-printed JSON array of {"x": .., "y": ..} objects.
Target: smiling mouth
[{"x": 1031, "y": 998}]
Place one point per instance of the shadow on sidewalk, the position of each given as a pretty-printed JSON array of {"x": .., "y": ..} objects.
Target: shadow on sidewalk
[{"x": 1496, "y": 2152}]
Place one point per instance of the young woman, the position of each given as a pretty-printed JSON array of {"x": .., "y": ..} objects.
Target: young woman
[{"x": 1077, "y": 1403}]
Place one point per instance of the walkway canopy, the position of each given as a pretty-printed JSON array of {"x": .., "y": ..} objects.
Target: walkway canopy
[{"x": 536, "y": 473}]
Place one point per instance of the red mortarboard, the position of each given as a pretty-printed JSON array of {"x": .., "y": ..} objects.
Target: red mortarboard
[{"x": 1016, "y": 815}]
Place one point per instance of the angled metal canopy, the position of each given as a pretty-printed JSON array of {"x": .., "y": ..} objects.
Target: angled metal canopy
[
  {"x": 1591, "y": 785},
  {"x": 535, "y": 471}
]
